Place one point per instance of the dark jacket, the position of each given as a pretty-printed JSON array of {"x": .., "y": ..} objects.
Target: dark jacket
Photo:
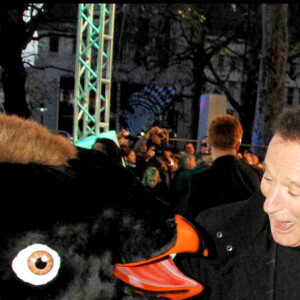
[
  {"x": 163, "y": 188},
  {"x": 227, "y": 180},
  {"x": 238, "y": 238},
  {"x": 180, "y": 186}
]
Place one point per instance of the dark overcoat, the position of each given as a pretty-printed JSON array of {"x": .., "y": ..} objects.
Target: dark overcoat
[
  {"x": 239, "y": 264},
  {"x": 227, "y": 180}
]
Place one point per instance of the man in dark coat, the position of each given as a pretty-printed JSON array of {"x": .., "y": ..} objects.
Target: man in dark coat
[
  {"x": 228, "y": 179},
  {"x": 254, "y": 243},
  {"x": 236, "y": 235}
]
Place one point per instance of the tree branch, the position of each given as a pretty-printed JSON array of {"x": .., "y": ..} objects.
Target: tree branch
[
  {"x": 220, "y": 83},
  {"x": 47, "y": 67}
]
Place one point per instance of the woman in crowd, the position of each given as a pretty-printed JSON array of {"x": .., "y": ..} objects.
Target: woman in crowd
[{"x": 152, "y": 180}]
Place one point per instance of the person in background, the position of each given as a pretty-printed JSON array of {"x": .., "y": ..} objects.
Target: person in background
[
  {"x": 159, "y": 139},
  {"x": 130, "y": 160},
  {"x": 128, "y": 155},
  {"x": 204, "y": 147},
  {"x": 189, "y": 148},
  {"x": 248, "y": 157},
  {"x": 204, "y": 157},
  {"x": 160, "y": 163},
  {"x": 126, "y": 139},
  {"x": 156, "y": 138},
  {"x": 172, "y": 163},
  {"x": 151, "y": 177},
  {"x": 253, "y": 160},
  {"x": 227, "y": 179},
  {"x": 123, "y": 137},
  {"x": 152, "y": 180},
  {"x": 142, "y": 157},
  {"x": 240, "y": 156},
  {"x": 187, "y": 166},
  {"x": 110, "y": 148}
]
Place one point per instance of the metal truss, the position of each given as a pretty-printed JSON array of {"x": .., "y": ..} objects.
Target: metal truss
[{"x": 93, "y": 69}]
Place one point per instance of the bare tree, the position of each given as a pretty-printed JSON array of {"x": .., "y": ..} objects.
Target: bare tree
[
  {"x": 18, "y": 24},
  {"x": 203, "y": 31},
  {"x": 14, "y": 37},
  {"x": 270, "y": 92}
]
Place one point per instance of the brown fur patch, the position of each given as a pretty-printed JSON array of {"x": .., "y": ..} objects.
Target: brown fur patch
[{"x": 25, "y": 141}]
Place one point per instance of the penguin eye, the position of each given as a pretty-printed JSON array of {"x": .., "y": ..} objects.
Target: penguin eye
[
  {"x": 37, "y": 264},
  {"x": 40, "y": 262}
]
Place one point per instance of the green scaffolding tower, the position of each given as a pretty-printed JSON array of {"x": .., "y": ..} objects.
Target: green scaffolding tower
[{"x": 93, "y": 69}]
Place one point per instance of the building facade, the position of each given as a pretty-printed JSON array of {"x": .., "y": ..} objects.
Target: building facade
[{"x": 152, "y": 54}]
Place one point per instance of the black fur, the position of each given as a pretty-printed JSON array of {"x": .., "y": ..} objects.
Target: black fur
[{"x": 92, "y": 212}]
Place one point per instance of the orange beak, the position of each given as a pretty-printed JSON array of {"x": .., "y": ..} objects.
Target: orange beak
[{"x": 159, "y": 275}]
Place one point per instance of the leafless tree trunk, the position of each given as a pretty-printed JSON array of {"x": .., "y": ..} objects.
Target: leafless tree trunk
[
  {"x": 13, "y": 36},
  {"x": 270, "y": 90}
]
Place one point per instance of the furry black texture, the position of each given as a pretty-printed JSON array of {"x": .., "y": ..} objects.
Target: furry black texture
[{"x": 92, "y": 213}]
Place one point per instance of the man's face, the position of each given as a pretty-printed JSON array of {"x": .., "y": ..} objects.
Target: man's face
[
  {"x": 156, "y": 139},
  {"x": 189, "y": 148},
  {"x": 132, "y": 157},
  {"x": 281, "y": 187}
]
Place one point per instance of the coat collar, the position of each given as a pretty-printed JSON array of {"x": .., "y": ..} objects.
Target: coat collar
[
  {"x": 224, "y": 159},
  {"x": 240, "y": 230}
]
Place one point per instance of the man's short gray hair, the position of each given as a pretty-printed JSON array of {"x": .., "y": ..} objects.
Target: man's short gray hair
[
  {"x": 288, "y": 125},
  {"x": 183, "y": 159}
]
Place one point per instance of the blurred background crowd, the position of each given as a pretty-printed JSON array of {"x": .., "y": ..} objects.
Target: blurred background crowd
[{"x": 159, "y": 165}]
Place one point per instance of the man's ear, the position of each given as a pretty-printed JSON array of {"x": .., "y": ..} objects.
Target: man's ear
[{"x": 238, "y": 144}]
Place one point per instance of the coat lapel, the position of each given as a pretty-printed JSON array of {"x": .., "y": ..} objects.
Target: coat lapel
[{"x": 243, "y": 252}]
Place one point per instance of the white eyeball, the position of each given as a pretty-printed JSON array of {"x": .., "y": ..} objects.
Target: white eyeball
[{"x": 37, "y": 264}]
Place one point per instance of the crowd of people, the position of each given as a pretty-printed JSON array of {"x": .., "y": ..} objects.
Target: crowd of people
[{"x": 162, "y": 167}]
